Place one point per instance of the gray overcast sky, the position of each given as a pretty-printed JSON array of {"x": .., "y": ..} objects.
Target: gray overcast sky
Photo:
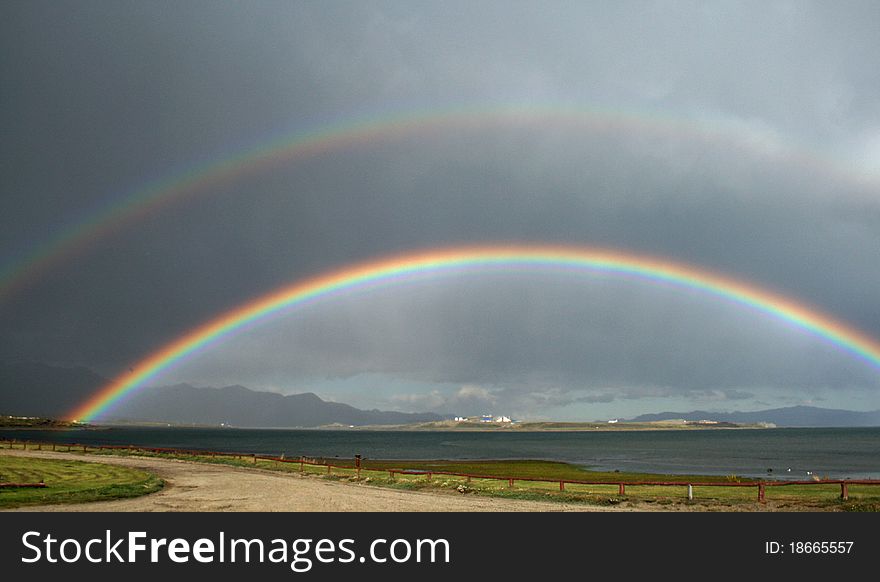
[{"x": 776, "y": 181}]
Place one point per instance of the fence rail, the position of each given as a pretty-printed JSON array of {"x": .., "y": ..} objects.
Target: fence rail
[{"x": 429, "y": 474}]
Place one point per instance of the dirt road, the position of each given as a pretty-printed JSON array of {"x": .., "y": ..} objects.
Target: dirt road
[{"x": 206, "y": 487}]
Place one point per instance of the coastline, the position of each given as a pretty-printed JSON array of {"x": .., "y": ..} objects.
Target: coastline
[
  {"x": 525, "y": 427},
  {"x": 204, "y": 487},
  {"x": 451, "y": 426},
  {"x": 203, "y": 484}
]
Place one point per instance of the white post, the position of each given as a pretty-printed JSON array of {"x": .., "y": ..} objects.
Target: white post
[{"x": 690, "y": 492}]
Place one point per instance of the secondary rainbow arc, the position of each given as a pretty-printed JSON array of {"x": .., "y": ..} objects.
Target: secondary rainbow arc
[
  {"x": 125, "y": 209},
  {"x": 405, "y": 266}
]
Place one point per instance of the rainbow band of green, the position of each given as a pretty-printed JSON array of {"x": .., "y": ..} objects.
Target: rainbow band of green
[
  {"x": 200, "y": 179},
  {"x": 404, "y": 267}
]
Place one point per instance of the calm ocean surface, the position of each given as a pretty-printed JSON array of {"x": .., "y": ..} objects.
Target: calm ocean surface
[{"x": 831, "y": 452}]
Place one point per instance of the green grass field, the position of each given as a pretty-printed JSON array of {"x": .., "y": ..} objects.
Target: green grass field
[
  {"x": 720, "y": 498},
  {"x": 70, "y": 481},
  {"x": 716, "y": 497},
  {"x": 375, "y": 472}
]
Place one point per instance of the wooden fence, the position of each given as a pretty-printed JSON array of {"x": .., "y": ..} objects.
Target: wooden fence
[{"x": 760, "y": 486}]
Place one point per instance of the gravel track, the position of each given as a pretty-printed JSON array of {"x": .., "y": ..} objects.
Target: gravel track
[{"x": 207, "y": 487}]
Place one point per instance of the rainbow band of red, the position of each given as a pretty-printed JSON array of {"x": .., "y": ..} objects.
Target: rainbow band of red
[{"x": 405, "y": 267}]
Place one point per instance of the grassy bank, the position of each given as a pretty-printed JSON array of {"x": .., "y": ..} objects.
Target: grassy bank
[
  {"x": 621, "y": 426},
  {"x": 37, "y": 423},
  {"x": 794, "y": 497},
  {"x": 427, "y": 475},
  {"x": 70, "y": 481}
]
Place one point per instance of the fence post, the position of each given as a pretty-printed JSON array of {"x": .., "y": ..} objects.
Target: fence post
[
  {"x": 562, "y": 485},
  {"x": 301, "y": 463},
  {"x": 429, "y": 476},
  {"x": 621, "y": 489},
  {"x": 761, "y": 492},
  {"x": 53, "y": 446},
  {"x": 510, "y": 483},
  {"x": 844, "y": 492},
  {"x": 391, "y": 475},
  {"x": 690, "y": 492},
  {"x": 255, "y": 458}
]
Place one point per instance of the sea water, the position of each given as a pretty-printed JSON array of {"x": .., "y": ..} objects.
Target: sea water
[{"x": 786, "y": 453}]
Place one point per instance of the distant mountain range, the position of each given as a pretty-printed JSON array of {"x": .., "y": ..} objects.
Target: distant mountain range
[
  {"x": 790, "y": 416},
  {"x": 34, "y": 389},
  {"x": 240, "y": 406}
]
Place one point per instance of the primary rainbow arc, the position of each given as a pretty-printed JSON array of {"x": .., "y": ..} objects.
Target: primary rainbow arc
[{"x": 406, "y": 266}]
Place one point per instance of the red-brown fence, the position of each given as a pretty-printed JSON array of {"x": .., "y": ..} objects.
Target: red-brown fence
[
  {"x": 622, "y": 485},
  {"x": 428, "y": 474}
]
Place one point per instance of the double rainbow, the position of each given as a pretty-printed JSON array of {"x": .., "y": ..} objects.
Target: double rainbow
[
  {"x": 404, "y": 267},
  {"x": 127, "y": 208}
]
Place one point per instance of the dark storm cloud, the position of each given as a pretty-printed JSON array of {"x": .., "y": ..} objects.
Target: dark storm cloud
[{"x": 98, "y": 98}]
